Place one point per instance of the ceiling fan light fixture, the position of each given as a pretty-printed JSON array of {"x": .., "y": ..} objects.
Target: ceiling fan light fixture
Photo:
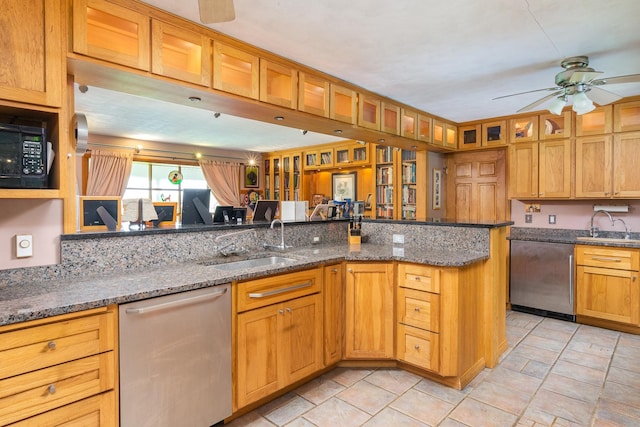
[
  {"x": 557, "y": 105},
  {"x": 582, "y": 104}
]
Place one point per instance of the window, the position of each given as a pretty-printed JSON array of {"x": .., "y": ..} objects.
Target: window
[{"x": 151, "y": 181}]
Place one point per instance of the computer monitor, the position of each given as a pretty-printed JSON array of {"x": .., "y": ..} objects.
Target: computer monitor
[
  {"x": 223, "y": 214},
  {"x": 265, "y": 210},
  {"x": 195, "y": 207}
]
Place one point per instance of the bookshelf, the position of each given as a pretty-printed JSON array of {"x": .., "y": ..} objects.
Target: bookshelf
[
  {"x": 385, "y": 195},
  {"x": 409, "y": 195}
]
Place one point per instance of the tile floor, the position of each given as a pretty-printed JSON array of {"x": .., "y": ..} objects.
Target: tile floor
[{"x": 554, "y": 373}]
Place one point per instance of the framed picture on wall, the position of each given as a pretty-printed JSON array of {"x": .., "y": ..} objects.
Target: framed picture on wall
[
  {"x": 437, "y": 189},
  {"x": 343, "y": 186},
  {"x": 251, "y": 176}
]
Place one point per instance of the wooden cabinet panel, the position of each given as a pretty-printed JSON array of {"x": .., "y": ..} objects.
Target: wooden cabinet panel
[
  {"x": 523, "y": 129},
  {"x": 419, "y": 347},
  {"x": 469, "y": 137},
  {"x": 419, "y": 277},
  {"x": 611, "y": 258},
  {"x": 425, "y": 128},
  {"x": 438, "y": 135},
  {"x": 451, "y": 136},
  {"x": 313, "y": 94},
  {"x": 343, "y": 105},
  {"x": 180, "y": 54},
  {"x": 369, "y": 112},
  {"x": 390, "y": 118},
  {"x": 273, "y": 289},
  {"x": 555, "y": 127},
  {"x": 278, "y": 84},
  {"x": 419, "y": 309},
  {"x": 409, "y": 124},
  {"x": 494, "y": 133},
  {"x": 333, "y": 293},
  {"x": 369, "y": 320},
  {"x": 113, "y": 33},
  {"x": 597, "y": 122},
  {"x": 626, "y": 116},
  {"x": 33, "y": 46},
  {"x": 235, "y": 71},
  {"x": 523, "y": 170},
  {"x": 96, "y": 411},
  {"x": 593, "y": 166},
  {"x": 608, "y": 294},
  {"x": 554, "y": 169},
  {"x": 625, "y": 170}
]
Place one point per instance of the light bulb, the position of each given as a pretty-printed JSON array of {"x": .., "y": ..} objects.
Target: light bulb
[
  {"x": 582, "y": 104},
  {"x": 557, "y": 105}
]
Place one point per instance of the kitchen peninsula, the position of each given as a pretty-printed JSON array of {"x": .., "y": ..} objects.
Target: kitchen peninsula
[{"x": 455, "y": 272}]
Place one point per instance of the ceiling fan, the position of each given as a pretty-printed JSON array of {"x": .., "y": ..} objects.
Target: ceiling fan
[
  {"x": 214, "y": 11},
  {"x": 576, "y": 80}
]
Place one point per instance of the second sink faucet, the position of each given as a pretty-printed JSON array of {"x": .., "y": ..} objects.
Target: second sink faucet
[
  {"x": 282, "y": 245},
  {"x": 594, "y": 230}
]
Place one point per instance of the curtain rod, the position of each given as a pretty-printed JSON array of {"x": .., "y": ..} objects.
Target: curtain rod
[{"x": 189, "y": 154}]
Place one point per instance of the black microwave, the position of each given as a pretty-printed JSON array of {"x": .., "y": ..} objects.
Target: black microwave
[{"x": 23, "y": 157}]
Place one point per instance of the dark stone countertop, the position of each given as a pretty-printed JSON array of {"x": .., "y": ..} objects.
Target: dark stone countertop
[
  {"x": 549, "y": 235},
  {"x": 35, "y": 300}
]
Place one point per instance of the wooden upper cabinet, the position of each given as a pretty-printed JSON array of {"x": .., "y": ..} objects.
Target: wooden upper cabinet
[
  {"x": 554, "y": 126},
  {"x": 523, "y": 129},
  {"x": 32, "y": 63},
  {"x": 313, "y": 94},
  {"x": 469, "y": 137},
  {"x": 343, "y": 105},
  {"x": 409, "y": 124},
  {"x": 180, "y": 54},
  {"x": 554, "y": 172},
  {"x": 593, "y": 166},
  {"x": 113, "y": 33},
  {"x": 626, "y": 117},
  {"x": 450, "y": 135},
  {"x": 369, "y": 112},
  {"x": 278, "y": 84},
  {"x": 523, "y": 170},
  {"x": 438, "y": 134},
  {"x": 626, "y": 174},
  {"x": 425, "y": 128},
  {"x": 494, "y": 133},
  {"x": 235, "y": 71},
  {"x": 390, "y": 119},
  {"x": 597, "y": 122}
]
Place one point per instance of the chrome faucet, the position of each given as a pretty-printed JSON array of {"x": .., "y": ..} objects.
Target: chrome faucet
[
  {"x": 282, "y": 245},
  {"x": 231, "y": 242},
  {"x": 594, "y": 230}
]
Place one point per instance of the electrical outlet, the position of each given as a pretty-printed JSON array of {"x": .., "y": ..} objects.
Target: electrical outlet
[
  {"x": 398, "y": 238},
  {"x": 552, "y": 219},
  {"x": 316, "y": 239},
  {"x": 528, "y": 218}
]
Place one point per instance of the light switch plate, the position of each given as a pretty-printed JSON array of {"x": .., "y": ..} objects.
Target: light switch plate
[
  {"x": 552, "y": 219},
  {"x": 398, "y": 238},
  {"x": 528, "y": 218},
  {"x": 24, "y": 245}
]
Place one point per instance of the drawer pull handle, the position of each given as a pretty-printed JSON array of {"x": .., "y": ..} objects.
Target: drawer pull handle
[
  {"x": 596, "y": 258},
  {"x": 334, "y": 270},
  {"x": 51, "y": 345},
  {"x": 417, "y": 347},
  {"x": 280, "y": 291},
  {"x": 417, "y": 278},
  {"x": 51, "y": 389},
  {"x": 417, "y": 309}
]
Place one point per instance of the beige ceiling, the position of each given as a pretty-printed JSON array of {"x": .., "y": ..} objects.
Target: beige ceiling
[{"x": 449, "y": 58}]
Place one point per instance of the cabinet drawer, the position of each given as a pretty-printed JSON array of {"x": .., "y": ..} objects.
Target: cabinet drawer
[
  {"x": 33, "y": 393},
  {"x": 31, "y": 348},
  {"x": 616, "y": 258},
  {"x": 269, "y": 290},
  {"x": 419, "y": 309},
  {"x": 419, "y": 347},
  {"x": 419, "y": 277},
  {"x": 96, "y": 411}
]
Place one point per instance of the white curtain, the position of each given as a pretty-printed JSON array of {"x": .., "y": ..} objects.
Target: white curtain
[
  {"x": 224, "y": 180},
  {"x": 108, "y": 173}
]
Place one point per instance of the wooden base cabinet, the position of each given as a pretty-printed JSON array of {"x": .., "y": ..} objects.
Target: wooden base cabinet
[
  {"x": 61, "y": 371},
  {"x": 333, "y": 293},
  {"x": 279, "y": 340},
  {"x": 369, "y": 313},
  {"x": 607, "y": 285}
]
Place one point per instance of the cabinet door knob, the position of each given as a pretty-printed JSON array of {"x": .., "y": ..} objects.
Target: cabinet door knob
[
  {"x": 281, "y": 311},
  {"x": 417, "y": 279},
  {"x": 350, "y": 270},
  {"x": 417, "y": 309},
  {"x": 288, "y": 310},
  {"x": 334, "y": 270},
  {"x": 417, "y": 347},
  {"x": 51, "y": 389},
  {"x": 51, "y": 345}
]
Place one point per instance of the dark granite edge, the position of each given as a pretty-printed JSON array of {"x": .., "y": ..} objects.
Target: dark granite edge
[
  {"x": 447, "y": 222},
  {"x": 551, "y": 235}
]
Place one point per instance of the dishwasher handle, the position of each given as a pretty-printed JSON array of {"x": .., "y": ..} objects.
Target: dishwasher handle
[
  {"x": 176, "y": 303},
  {"x": 571, "y": 280}
]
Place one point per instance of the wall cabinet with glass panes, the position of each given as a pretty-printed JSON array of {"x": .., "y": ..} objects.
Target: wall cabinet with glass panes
[
  {"x": 283, "y": 177},
  {"x": 352, "y": 153}
]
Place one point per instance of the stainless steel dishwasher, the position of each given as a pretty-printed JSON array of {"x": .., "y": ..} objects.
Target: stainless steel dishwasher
[
  {"x": 175, "y": 359},
  {"x": 541, "y": 279}
]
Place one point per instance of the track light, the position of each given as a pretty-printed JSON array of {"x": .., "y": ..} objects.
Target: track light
[
  {"x": 216, "y": 115},
  {"x": 304, "y": 132},
  {"x": 558, "y": 104}
]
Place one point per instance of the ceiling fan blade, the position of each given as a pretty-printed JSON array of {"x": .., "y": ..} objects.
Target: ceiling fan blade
[
  {"x": 540, "y": 101},
  {"x": 631, "y": 78},
  {"x": 214, "y": 11},
  {"x": 529, "y": 91},
  {"x": 602, "y": 97},
  {"x": 583, "y": 76}
]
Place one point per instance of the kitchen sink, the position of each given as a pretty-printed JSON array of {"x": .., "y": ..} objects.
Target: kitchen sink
[
  {"x": 253, "y": 263},
  {"x": 608, "y": 240}
]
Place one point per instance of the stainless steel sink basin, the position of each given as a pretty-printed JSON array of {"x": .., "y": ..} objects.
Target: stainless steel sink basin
[
  {"x": 608, "y": 240},
  {"x": 253, "y": 263}
]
